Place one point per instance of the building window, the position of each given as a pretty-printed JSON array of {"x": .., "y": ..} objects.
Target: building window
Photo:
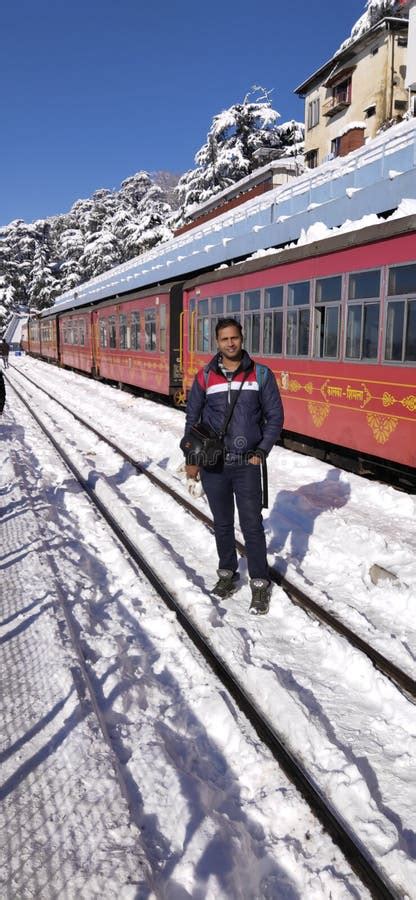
[
  {"x": 400, "y": 344},
  {"x": 298, "y": 319},
  {"x": 370, "y": 111},
  {"x": 150, "y": 330},
  {"x": 327, "y": 316},
  {"x": 335, "y": 146},
  {"x": 340, "y": 98},
  {"x": 135, "y": 330},
  {"x": 311, "y": 159},
  {"x": 313, "y": 113},
  {"x": 363, "y": 315}
]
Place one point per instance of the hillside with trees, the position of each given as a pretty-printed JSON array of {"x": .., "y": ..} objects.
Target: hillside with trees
[{"x": 45, "y": 258}]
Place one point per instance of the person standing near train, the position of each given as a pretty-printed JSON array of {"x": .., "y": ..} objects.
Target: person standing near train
[
  {"x": 2, "y": 392},
  {"x": 254, "y": 427},
  {"x": 5, "y": 353}
]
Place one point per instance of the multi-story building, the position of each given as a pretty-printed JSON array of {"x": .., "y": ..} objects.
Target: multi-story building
[{"x": 360, "y": 89}]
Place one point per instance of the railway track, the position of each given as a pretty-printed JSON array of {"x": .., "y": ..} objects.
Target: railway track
[
  {"x": 377, "y": 881},
  {"x": 401, "y": 679}
]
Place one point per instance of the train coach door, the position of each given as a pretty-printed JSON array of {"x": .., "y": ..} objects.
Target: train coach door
[{"x": 95, "y": 344}]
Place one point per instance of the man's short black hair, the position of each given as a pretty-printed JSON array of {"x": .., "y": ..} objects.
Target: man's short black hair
[{"x": 226, "y": 323}]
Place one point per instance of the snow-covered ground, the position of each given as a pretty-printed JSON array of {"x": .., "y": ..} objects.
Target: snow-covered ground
[{"x": 228, "y": 836}]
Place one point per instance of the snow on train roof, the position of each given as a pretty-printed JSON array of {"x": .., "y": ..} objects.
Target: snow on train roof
[{"x": 373, "y": 179}]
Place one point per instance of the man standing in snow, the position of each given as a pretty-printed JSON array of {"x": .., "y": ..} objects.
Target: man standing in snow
[
  {"x": 5, "y": 353},
  {"x": 254, "y": 427}
]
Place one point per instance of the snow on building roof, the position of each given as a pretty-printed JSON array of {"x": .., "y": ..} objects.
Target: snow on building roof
[
  {"x": 373, "y": 179},
  {"x": 345, "y": 53},
  {"x": 13, "y": 331}
]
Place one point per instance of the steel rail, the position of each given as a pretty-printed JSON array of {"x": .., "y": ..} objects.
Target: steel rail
[
  {"x": 389, "y": 669},
  {"x": 379, "y": 885}
]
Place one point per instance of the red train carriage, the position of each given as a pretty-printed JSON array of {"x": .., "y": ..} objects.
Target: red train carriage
[
  {"x": 49, "y": 339},
  {"x": 41, "y": 338},
  {"x": 336, "y": 322},
  {"x": 75, "y": 344},
  {"x": 136, "y": 340},
  {"x": 130, "y": 340}
]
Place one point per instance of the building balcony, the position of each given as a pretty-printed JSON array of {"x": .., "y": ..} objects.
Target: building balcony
[{"x": 337, "y": 102}]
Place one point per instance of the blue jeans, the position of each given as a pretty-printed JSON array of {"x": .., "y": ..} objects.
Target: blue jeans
[{"x": 242, "y": 480}]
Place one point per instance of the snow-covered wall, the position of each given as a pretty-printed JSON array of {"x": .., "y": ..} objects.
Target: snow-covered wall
[
  {"x": 411, "y": 49},
  {"x": 373, "y": 179}
]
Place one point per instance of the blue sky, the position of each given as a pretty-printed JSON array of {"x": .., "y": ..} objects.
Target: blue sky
[{"x": 92, "y": 92}]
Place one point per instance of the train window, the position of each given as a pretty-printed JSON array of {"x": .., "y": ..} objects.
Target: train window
[
  {"x": 298, "y": 320},
  {"x": 150, "y": 330},
  {"x": 328, "y": 290},
  {"x": 82, "y": 332},
  {"x": 75, "y": 332},
  {"x": 251, "y": 300},
  {"x": 202, "y": 335},
  {"x": 203, "y": 328},
  {"x": 364, "y": 285},
  {"x": 362, "y": 331},
  {"x": 135, "y": 330},
  {"x": 297, "y": 338},
  {"x": 327, "y": 316},
  {"x": 363, "y": 318},
  {"x": 402, "y": 280},
  {"x": 162, "y": 328},
  {"x": 203, "y": 308},
  {"x": 252, "y": 329},
  {"x": 273, "y": 297},
  {"x": 122, "y": 330},
  {"x": 217, "y": 306},
  {"x": 273, "y": 332},
  {"x": 112, "y": 337},
  {"x": 103, "y": 333},
  {"x": 401, "y": 331},
  {"x": 298, "y": 294},
  {"x": 233, "y": 304}
]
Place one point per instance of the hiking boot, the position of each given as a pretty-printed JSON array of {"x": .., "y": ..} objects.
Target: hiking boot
[
  {"x": 261, "y": 590},
  {"x": 227, "y": 583}
]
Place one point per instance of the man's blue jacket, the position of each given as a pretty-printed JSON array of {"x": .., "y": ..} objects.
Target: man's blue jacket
[{"x": 257, "y": 419}]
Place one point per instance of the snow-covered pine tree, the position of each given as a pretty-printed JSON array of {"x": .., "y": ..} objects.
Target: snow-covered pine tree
[
  {"x": 229, "y": 151},
  {"x": 42, "y": 284},
  {"x": 141, "y": 216}
]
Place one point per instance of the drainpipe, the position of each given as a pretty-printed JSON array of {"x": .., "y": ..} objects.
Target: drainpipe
[{"x": 391, "y": 74}]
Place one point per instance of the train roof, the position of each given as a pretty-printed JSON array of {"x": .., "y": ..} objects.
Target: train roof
[
  {"x": 374, "y": 179},
  {"x": 341, "y": 241}
]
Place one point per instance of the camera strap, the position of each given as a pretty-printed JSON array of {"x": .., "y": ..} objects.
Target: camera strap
[{"x": 231, "y": 407}]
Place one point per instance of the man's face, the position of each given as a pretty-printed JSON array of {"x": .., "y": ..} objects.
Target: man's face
[{"x": 230, "y": 342}]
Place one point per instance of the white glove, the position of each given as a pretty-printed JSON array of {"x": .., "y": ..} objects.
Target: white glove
[{"x": 194, "y": 487}]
